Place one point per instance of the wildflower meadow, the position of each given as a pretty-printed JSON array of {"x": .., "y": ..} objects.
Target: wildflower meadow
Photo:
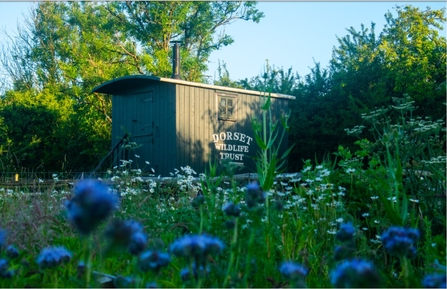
[{"x": 375, "y": 217}]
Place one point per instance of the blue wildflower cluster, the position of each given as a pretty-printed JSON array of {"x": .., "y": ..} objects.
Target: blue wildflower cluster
[
  {"x": 436, "y": 280},
  {"x": 294, "y": 273},
  {"x": 91, "y": 204},
  {"x": 346, "y": 232},
  {"x": 345, "y": 235},
  {"x": 128, "y": 234},
  {"x": 254, "y": 195},
  {"x": 12, "y": 252},
  {"x": 5, "y": 272},
  {"x": 198, "y": 201},
  {"x": 153, "y": 261},
  {"x": 231, "y": 209},
  {"x": 196, "y": 249},
  {"x": 355, "y": 273},
  {"x": 400, "y": 241},
  {"x": 52, "y": 257}
]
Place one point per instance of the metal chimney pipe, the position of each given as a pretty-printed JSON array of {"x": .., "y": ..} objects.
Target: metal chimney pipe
[{"x": 176, "y": 60}]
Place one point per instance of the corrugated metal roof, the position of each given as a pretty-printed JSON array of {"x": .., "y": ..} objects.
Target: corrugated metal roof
[{"x": 121, "y": 85}]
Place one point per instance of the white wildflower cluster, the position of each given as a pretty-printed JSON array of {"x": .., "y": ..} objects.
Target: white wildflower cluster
[
  {"x": 422, "y": 126},
  {"x": 185, "y": 179},
  {"x": 356, "y": 130},
  {"x": 435, "y": 160},
  {"x": 404, "y": 104},
  {"x": 375, "y": 113}
]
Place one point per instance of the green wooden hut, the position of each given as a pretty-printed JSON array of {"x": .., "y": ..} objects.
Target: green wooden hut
[{"x": 179, "y": 123}]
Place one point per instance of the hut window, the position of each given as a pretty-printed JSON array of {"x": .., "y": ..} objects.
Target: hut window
[{"x": 226, "y": 107}]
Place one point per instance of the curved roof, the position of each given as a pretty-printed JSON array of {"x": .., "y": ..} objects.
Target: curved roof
[{"x": 121, "y": 85}]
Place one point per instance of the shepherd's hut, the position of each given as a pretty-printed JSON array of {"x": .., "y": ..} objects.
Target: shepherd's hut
[{"x": 178, "y": 123}]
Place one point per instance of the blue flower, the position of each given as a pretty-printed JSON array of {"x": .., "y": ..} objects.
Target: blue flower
[
  {"x": 92, "y": 203},
  {"x": 346, "y": 232},
  {"x": 127, "y": 234},
  {"x": 52, "y": 257},
  {"x": 294, "y": 272},
  {"x": 231, "y": 209},
  {"x": 4, "y": 272},
  {"x": 400, "y": 241},
  {"x": 254, "y": 195},
  {"x": 3, "y": 265},
  {"x": 355, "y": 273},
  {"x": 137, "y": 243},
  {"x": 153, "y": 260},
  {"x": 12, "y": 252},
  {"x": 152, "y": 285},
  {"x": 196, "y": 246},
  {"x": 434, "y": 281}
]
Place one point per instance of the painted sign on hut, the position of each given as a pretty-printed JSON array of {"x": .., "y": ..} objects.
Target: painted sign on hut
[{"x": 179, "y": 123}]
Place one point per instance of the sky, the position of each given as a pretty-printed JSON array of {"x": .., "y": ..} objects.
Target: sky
[{"x": 292, "y": 34}]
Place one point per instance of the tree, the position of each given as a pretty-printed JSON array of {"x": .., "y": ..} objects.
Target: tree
[
  {"x": 415, "y": 57},
  {"x": 68, "y": 48},
  {"x": 195, "y": 24}
]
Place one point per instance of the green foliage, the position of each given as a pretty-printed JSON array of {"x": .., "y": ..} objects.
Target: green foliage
[
  {"x": 68, "y": 48},
  {"x": 367, "y": 71}
]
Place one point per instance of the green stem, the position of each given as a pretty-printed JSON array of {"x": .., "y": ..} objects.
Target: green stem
[
  {"x": 88, "y": 263},
  {"x": 405, "y": 272},
  {"x": 247, "y": 260},
  {"x": 201, "y": 219},
  {"x": 230, "y": 263}
]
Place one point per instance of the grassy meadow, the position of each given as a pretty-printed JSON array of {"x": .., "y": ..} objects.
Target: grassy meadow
[{"x": 373, "y": 218}]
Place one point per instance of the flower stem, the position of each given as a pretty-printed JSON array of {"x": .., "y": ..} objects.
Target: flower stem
[{"x": 230, "y": 263}]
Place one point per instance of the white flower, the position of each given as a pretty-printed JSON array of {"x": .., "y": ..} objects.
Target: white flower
[
  {"x": 376, "y": 221},
  {"x": 392, "y": 199},
  {"x": 365, "y": 215},
  {"x": 414, "y": 201},
  {"x": 374, "y": 197},
  {"x": 309, "y": 192},
  {"x": 307, "y": 169},
  {"x": 325, "y": 173},
  {"x": 332, "y": 232},
  {"x": 147, "y": 163},
  {"x": 339, "y": 220},
  {"x": 137, "y": 156},
  {"x": 350, "y": 170}
]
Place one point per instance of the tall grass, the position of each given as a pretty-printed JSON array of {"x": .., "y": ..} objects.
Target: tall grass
[{"x": 334, "y": 224}]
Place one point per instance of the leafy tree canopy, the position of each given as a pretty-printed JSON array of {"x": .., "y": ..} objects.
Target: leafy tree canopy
[{"x": 67, "y": 48}]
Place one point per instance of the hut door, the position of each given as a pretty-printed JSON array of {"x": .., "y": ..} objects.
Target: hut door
[{"x": 143, "y": 124}]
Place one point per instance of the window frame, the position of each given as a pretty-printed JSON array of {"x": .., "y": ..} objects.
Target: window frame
[{"x": 226, "y": 117}]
